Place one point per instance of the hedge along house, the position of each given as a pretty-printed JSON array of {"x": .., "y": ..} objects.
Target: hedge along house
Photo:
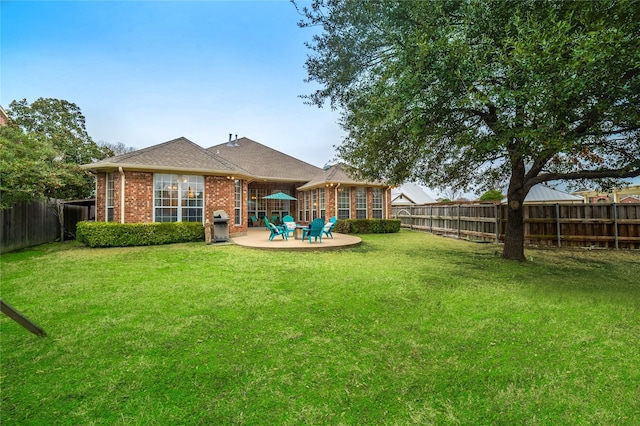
[{"x": 181, "y": 181}]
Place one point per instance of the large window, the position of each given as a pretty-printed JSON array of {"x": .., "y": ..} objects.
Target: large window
[
  {"x": 178, "y": 198},
  {"x": 361, "y": 203},
  {"x": 344, "y": 203},
  {"x": 314, "y": 204},
  {"x": 376, "y": 203},
  {"x": 110, "y": 197},
  {"x": 322, "y": 203},
  {"x": 306, "y": 206}
]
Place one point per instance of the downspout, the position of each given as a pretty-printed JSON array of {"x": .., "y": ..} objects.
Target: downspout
[
  {"x": 384, "y": 203},
  {"x": 121, "y": 194}
]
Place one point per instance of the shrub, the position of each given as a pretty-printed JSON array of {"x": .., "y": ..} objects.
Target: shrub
[
  {"x": 367, "y": 226},
  {"x": 492, "y": 195},
  {"x": 111, "y": 234}
]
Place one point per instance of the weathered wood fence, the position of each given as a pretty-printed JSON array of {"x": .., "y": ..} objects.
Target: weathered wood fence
[
  {"x": 30, "y": 224},
  {"x": 549, "y": 225}
]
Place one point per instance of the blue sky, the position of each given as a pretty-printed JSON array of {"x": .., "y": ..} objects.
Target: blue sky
[{"x": 150, "y": 71}]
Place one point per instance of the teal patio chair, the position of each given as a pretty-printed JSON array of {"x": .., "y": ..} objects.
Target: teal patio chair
[
  {"x": 314, "y": 230},
  {"x": 275, "y": 230},
  {"x": 328, "y": 227},
  {"x": 289, "y": 225},
  {"x": 254, "y": 221}
]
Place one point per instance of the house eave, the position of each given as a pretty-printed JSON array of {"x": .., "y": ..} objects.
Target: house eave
[{"x": 110, "y": 167}]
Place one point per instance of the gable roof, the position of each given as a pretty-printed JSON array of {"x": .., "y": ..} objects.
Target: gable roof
[
  {"x": 175, "y": 155},
  {"x": 335, "y": 174},
  {"x": 264, "y": 162},
  {"x": 410, "y": 193}
]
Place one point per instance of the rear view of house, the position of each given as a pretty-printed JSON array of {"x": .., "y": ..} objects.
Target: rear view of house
[{"x": 179, "y": 181}]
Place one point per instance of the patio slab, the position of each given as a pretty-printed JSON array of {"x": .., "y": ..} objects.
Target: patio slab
[{"x": 259, "y": 238}]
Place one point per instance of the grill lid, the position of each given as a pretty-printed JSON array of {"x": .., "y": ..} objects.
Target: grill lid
[{"x": 220, "y": 214}]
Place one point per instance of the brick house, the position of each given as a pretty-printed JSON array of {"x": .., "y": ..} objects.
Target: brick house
[{"x": 181, "y": 181}]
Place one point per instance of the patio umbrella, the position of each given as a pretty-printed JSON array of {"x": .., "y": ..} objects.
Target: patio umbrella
[{"x": 280, "y": 196}]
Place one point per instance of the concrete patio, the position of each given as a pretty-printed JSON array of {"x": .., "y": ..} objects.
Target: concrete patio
[{"x": 259, "y": 238}]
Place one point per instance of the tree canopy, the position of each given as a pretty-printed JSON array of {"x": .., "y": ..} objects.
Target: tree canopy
[
  {"x": 29, "y": 170},
  {"x": 43, "y": 147},
  {"x": 479, "y": 93}
]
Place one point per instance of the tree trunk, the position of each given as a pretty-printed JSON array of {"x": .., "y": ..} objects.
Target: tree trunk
[
  {"x": 514, "y": 235},
  {"x": 514, "y": 238}
]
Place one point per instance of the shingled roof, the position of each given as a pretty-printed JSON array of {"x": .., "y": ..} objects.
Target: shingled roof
[
  {"x": 175, "y": 155},
  {"x": 264, "y": 162},
  {"x": 246, "y": 159},
  {"x": 334, "y": 174}
]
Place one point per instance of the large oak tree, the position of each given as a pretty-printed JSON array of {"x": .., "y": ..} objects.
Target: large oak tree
[{"x": 474, "y": 94}]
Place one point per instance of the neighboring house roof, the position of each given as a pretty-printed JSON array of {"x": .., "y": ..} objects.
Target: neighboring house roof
[
  {"x": 264, "y": 162},
  {"x": 542, "y": 193},
  {"x": 176, "y": 155},
  {"x": 334, "y": 175},
  {"x": 410, "y": 193}
]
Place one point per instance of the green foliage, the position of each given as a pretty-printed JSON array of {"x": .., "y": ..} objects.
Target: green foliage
[
  {"x": 492, "y": 195},
  {"x": 367, "y": 226},
  {"x": 29, "y": 169},
  {"x": 112, "y": 234},
  {"x": 60, "y": 125},
  {"x": 473, "y": 94}
]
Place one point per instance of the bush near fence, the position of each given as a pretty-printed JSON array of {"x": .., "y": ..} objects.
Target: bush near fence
[
  {"x": 602, "y": 225},
  {"x": 112, "y": 234},
  {"x": 367, "y": 226}
]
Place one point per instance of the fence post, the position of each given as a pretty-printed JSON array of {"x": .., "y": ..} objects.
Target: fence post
[
  {"x": 411, "y": 217},
  {"x": 615, "y": 223},
  {"x": 458, "y": 221},
  {"x": 431, "y": 218},
  {"x": 558, "y": 223},
  {"x": 497, "y": 211}
]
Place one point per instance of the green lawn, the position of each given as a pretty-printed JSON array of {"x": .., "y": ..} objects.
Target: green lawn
[{"x": 408, "y": 328}]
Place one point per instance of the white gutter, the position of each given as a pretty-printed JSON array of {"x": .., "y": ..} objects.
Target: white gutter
[{"x": 121, "y": 194}]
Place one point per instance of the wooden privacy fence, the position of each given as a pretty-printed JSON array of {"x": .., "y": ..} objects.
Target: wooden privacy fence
[
  {"x": 549, "y": 225},
  {"x": 30, "y": 224}
]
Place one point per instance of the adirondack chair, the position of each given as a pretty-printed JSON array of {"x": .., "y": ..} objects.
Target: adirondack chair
[
  {"x": 289, "y": 225},
  {"x": 254, "y": 221},
  {"x": 328, "y": 227},
  {"x": 314, "y": 230},
  {"x": 275, "y": 230}
]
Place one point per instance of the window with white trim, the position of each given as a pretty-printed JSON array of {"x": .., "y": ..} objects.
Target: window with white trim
[
  {"x": 361, "y": 203},
  {"x": 344, "y": 202},
  {"x": 109, "y": 197},
  {"x": 376, "y": 203},
  {"x": 314, "y": 204},
  {"x": 237, "y": 191},
  {"x": 178, "y": 198},
  {"x": 321, "y": 201},
  {"x": 306, "y": 206}
]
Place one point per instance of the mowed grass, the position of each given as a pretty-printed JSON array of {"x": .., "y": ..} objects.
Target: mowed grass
[{"x": 407, "y": 328}]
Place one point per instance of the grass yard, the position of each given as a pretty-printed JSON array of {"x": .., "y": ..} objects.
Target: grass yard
[{"x": 408, "y": 328}]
